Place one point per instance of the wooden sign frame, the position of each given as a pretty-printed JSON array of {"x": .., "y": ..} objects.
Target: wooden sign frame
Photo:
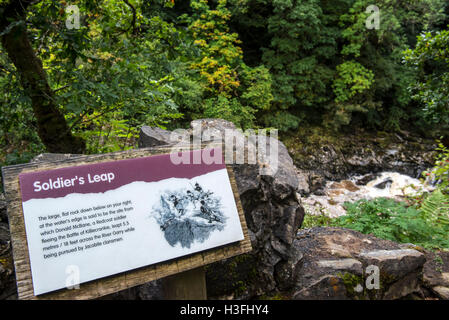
[{"x": 103, "y": 286}]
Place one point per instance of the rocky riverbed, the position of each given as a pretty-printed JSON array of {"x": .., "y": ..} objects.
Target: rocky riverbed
[
  {"x": 320, "y": 155},
  {"x": 330, "y": 199},
  {"x": 339, "y": 167},
  {"x": 334, "y": 261}
]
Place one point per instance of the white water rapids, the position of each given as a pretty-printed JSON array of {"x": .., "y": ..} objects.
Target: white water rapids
[{"x": 386, "y": 184}]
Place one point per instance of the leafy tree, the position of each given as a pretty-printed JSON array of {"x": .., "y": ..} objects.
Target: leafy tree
[
  {"x": 51, "y": 125},
  {"x": 116, "y": 72},
  {"x": 277, "y": 63},
  {"x": 324, "y": 61},
  {"x": 386, "y": 100},
  {"x": 430, "y": 59},
  {"x": 298, "y": 56},
  {"x": 232, "y": 90}
]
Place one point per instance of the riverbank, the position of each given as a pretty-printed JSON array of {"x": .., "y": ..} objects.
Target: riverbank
[{"x": 321, "y": 155}]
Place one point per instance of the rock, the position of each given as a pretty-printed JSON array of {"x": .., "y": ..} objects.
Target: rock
[
  {"x": 337, "y": 156},
  {"x": 345, "y": 184},
  {"x": 442, "y": 292},
  {"x": 8, "y": 289},
  {"x": 214, "y": 128},
  {"x": 316, "y": 184},
  {"x": 352, "y": 265},
  {"x": 153, "y": 136},
  {"x": 286, "y": 271},
  {"x": 319, "y": 205},
  {"x": 50, "y": 157},
  {"x": 325, "y": 288},
  {"x": 367, "y": 178},
  {"x": 384, "y": 184},
  {"x": 340, "y": 263},
  {"x": 269, "y": 195},
  {"x": 436, "y": 273},
  {"x": 303, "y": 182},
  {"x": 404, "y": 287},
  {"x": 3, "y": 214},
  {"x": 436, "y": 269},
  {"x": 4, "y": 237},
  {"x": 396, "y": 263}
]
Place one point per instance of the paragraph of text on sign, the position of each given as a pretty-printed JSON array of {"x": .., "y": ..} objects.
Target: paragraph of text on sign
[{"x": 83, "y": 229}]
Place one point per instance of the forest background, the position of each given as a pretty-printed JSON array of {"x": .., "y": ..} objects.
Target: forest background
[{"x": 87, "y": 85}]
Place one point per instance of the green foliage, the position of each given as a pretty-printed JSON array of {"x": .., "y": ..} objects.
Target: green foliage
[
  {"x": 353, "y": 78},
  {"x": 107, "y": 81},
  {"x": 388, "y": 219},
  {"x": 430, "y": 59},
  {"x": 220, "y": 53},
  {"x": 232, "y": 90},
  {"x": 229, "y": 109},
  {"x": 324, "y": 60},
  {"x": 386, "y": 101},
  {"x": 297, "y": 53},
  {"x": 435, "y": 208},
  {"x": 440, "y": 171},
  {"x": 258, "y": 63},
  {"x": 320, "y": 220},
  {"x": 19, "y": 141}
]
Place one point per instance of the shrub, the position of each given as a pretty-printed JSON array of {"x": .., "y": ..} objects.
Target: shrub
[{"x": 389, "y": 219}]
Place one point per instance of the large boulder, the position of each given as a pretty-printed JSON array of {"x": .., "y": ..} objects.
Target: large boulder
[
  {"x": 153, "y": 136},
  {"x": 436, "y": 274},
  {"x": 345, "y": 264},
  {"x": 269, "y": 193}
]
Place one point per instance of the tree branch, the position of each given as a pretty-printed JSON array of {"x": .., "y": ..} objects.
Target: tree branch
[{"x": 133, "y": 22}]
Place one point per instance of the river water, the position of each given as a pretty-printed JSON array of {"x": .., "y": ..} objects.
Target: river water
[{"x": 385, "y": 184}]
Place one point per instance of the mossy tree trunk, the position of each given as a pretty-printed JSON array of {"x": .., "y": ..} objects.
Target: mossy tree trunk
[{"x": 52, "y": 126}]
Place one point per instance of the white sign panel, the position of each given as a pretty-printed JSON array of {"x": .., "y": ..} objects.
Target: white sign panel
[{"x": 91, "y": 221}]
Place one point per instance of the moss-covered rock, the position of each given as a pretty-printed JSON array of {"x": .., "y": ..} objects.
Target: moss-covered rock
[{"x": 339, "y": 263}]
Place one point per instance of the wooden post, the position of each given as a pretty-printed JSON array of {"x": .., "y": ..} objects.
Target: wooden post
[{"x": 188, "y": 285}]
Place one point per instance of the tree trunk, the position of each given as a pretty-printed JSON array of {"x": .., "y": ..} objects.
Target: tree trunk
[{"x": 52, "y": 127}]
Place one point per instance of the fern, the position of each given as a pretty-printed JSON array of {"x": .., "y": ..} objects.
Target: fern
[
  {"x": 435, "y": 208},
  {"x": 427, "y": 226}
]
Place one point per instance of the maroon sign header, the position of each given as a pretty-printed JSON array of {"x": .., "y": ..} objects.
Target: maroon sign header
[{"x": 101, "y": 177}]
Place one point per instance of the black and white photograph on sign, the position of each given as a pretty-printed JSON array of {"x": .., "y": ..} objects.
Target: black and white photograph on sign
[{"x": 186, "y": 215}]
